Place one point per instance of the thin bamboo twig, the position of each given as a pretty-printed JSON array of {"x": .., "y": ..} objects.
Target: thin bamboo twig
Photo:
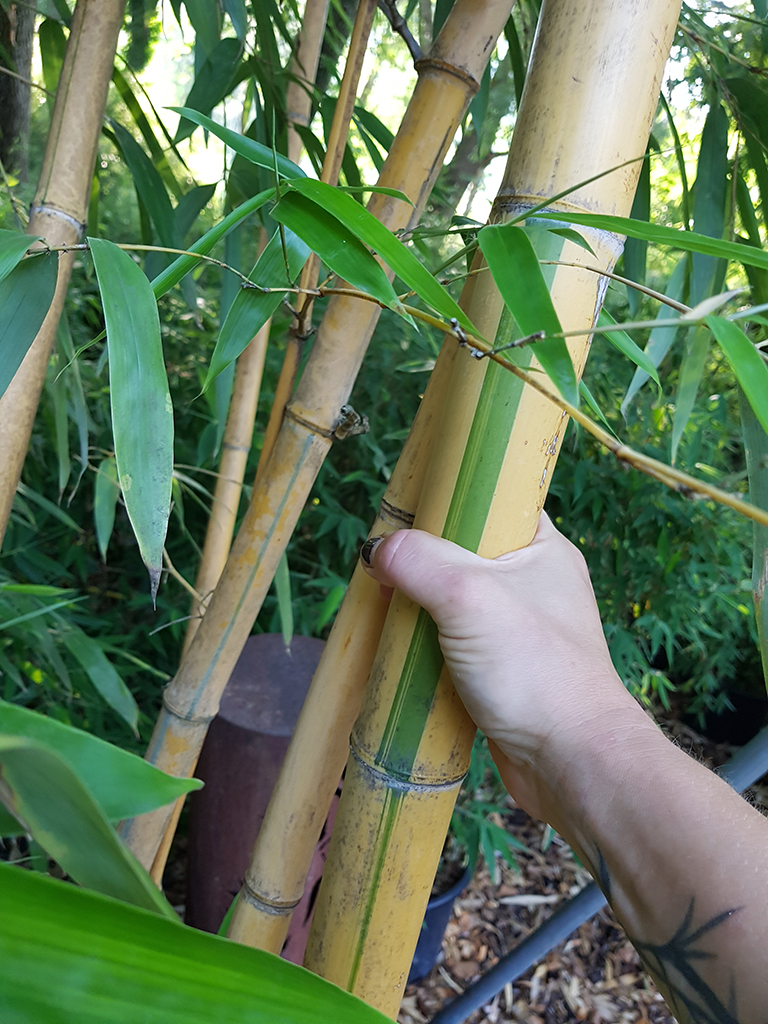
[{"x": 171, "y": 569}]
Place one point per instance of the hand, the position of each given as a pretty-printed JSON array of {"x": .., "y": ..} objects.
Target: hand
[{"x": 522, "y": 639}]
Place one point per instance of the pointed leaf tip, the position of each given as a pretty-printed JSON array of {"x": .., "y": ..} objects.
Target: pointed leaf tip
[{"x": 154, "y": 584}]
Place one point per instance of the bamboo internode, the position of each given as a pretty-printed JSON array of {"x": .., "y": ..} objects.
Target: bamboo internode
[
  {"x": 588, "y": 105},
  {"x": 59, "y": 211},
  {"x": 448, "y": 79}
]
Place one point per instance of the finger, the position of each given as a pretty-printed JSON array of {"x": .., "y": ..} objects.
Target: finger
[{"x": 427, "y": 569}]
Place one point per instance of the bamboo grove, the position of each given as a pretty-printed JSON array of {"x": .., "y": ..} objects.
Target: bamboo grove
[{"x": 480, "y": 455}]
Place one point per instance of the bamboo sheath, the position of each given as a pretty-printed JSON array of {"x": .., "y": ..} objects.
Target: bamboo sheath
[
  {"x": 245, "y": 395},
  {"x": 447, "y": 81},
  {"x": 59, "y": 210},
  {"x": 318, "y": 751},
  {"x": 298, "y": 94},
  {"x": 334, "y": 154},
  {"x": 588, "y": 105}
]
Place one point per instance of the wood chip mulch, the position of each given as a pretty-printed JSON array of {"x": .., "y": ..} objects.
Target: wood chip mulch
[{"x": 594, "y": 976}]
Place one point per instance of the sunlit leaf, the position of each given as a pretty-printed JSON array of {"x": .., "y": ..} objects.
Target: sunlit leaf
[
  {"x": 515, "y": 267},
  {"x": 142, "y": 413},
  {"x": 622, "y": 341},
  {"x": 746, "y": 362},
  {"x": 13, "y": 247},
  {"x": 212, "y": 83}
]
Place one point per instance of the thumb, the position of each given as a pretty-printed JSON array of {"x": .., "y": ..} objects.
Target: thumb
[{"x": 429, "y": 570}]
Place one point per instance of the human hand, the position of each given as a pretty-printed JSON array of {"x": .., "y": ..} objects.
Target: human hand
[{"x": 522, "y": 639}]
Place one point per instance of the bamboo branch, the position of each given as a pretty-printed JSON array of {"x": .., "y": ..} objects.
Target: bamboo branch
[
  {"x": 173, "y": 571},
  {"x": 399, "y": 25},
  {"x": 27, "y": 81}
]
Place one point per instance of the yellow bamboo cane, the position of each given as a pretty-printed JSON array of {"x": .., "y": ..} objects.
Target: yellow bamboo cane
[
  {"x": 334, "y": 154},
  {"x": 448, "y": 79},
  {"x": 319, "y": 747},
  {"x": 588, "y": 105},
  {"x": 298, "y": 94},
  {"x": 59, "y": 210}
]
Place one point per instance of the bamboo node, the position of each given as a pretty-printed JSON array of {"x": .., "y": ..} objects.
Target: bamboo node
[
  {"x": 444, "y": 67},
  {"x": 184, "y": 716},
  {"x": 236, "y": 447},
  {"x": 399, "y": 516},
  {"x": 53, "y": 211},
  {"x": 250, "y": 896},
  {"x": 390, "y": 778}
]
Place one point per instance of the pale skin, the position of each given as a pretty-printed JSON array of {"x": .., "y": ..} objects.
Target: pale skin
[{"x": 682, "y": 859}]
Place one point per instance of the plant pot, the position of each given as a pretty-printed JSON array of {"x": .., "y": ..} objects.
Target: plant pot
[{"x": 436, "y": 918}]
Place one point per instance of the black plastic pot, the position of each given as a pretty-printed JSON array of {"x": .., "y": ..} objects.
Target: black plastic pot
[{"x": 436, "y": 918}]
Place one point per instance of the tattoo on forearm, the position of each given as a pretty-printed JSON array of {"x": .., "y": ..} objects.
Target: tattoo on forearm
[{"x": 676, "y": 965}]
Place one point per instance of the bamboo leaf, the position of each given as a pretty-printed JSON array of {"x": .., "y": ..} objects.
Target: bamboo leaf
[
  {"x": 142, "y": 413},
  {"x": 236, "y": 11},
  {"x": 105, "y": 495},
  {"x": 396, "y": 255},
  {"x": 691, "y": 370},
  {"x": 337, "y": 246},
  {"x": 661, "y": 338},
  {"x": 188, "y": 209},
  {"x": 25, "y": 295},
  {"x": 284, "y": 600},
  {"x": 636, "y": 251},
  {"x": 591, "y": 401},
  {"x": 67, "y": 955},
  {"x": 13, "y": 247},
  {"x": 746, "y": 363},
  {"x": 77, "y": 395},
  {"x": 159, "y": 159},
  {"x": 102, "y": 673},
  {"x": 709, "y": 197},
  {"x": 123, "y": 784},
  {"x": 260, "y": 155},
  {"x": 622, "y": 341},
  {"x": 212, "y": 83},
  {"x": 252, "y": 308},
  {"x": 149, "y": 185},
  {"x": 183, "y": 264},
  {"x": 48, "y": 506},
  {"x": 689, "y": 241},
  {"x": 53, "y": 44},
  {"x": 45, "y": 794},
  {"x": 515, "y": 268}
]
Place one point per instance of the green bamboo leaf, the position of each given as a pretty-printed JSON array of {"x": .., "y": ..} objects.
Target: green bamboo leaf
[
  {"x": 102, "y": 673},
  {"x": 661, "y": 338},
  {"x": 212, "y": 83},
  {"x": 260, "y": 155},
  {"x": 57, "y": 387},
  {"x": 182, "y": 266},
  {"x": 252, "y": 308},
  {"x": 515, "y": 57},
  {"x": 77, "y": 395},
  {"x": 709, "y": 197},
  {"x": 691, "y": 371},
  {"x": 591, "y": 401},
  {"x": 25, "y": 295},
  {"x": 338, "y": 247},
  {"x": 680, "y": 158},
  {"x": 635, "y": 251},
  {"x": 746, "y": 363},
  {"x": 515, "y": 268},
  {"x": 149, "y": 185},
  {"x": 142, "y": 412},
  {"x": 284, "y": 599},
  {"x": 188, "y": 209},
  {"x": 397, "y": 256},
  {"x": 236, "y": 11},
  {"x": 206, "y": 21},
  {"x": 105, "y": 494},
  {"x": 48, "y": 506},
  {"x": 622, "y": 341},
  {"x": 123, "y": 784},
  {"x": 159, "y": 159},
  {"x": 53, "y": 44},
  {"x": 46, "y": 795},
  {"x": 67, "y": 955},
  {"x": 689, "y": 241},
  {"x": 13, "y": 247}
]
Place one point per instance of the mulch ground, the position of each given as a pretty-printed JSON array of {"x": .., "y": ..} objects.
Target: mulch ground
[{"x": 594, "y": 976}]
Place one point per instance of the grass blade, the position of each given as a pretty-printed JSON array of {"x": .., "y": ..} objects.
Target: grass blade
[
  {"x": 25, "y": 295},
  {"x": 515, "y": 267},
  {"x": 284, "y": 600},
  {"x": 142, "y": 413},
  {"x": 123, "y": 784}
]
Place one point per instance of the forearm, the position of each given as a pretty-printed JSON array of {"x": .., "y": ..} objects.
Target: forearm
[{"x": 682, "y": 859}]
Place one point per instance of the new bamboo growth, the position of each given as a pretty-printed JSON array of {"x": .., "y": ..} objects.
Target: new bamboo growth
[
  {"x": 447, "y": 81},
  {"x": 588, "y": 105},
  {"x": 59, "y": 210}
]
